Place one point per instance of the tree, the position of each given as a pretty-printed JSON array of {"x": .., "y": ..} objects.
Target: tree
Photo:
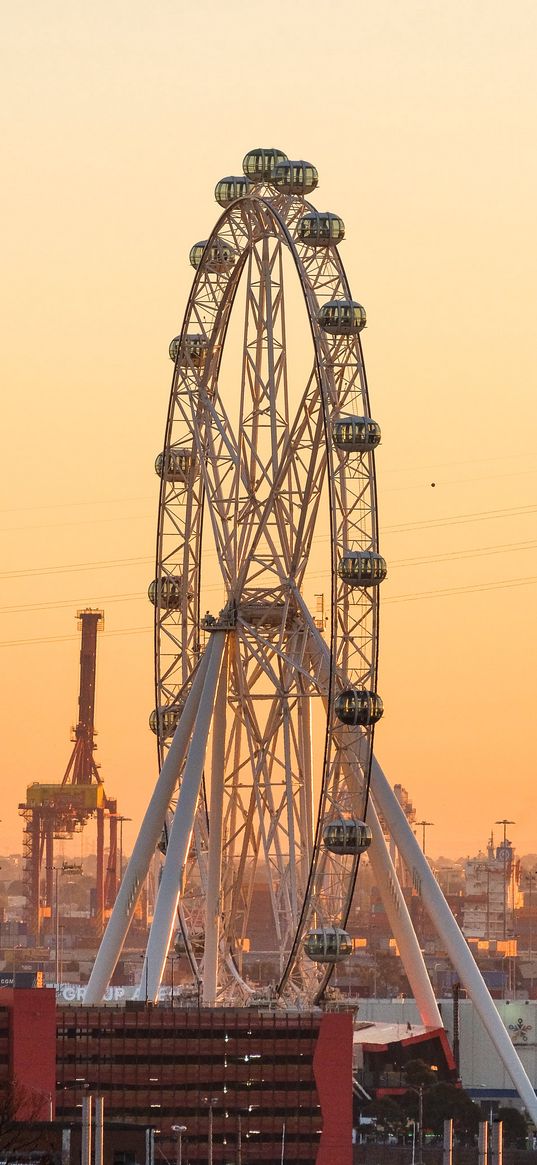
[
  {"x": 418, "y": 1072},
  {"x": 441, "y": 1101},
  {"x": 447, "y": 1102},
  {"x": 20, "y": 1135},
  {"x": 390, "y": 975},
  {"x": 515, "y": 1126},
  {"x": 387, "y": 1113}
]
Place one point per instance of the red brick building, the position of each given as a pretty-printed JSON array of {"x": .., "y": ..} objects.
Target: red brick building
[
  {"x": 28, "y": 1050},
  {"x": 260, "y": 1078}
]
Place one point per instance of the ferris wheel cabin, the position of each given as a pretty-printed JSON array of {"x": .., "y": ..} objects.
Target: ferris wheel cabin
[
  {"x": 229, "y": 189},
  {"x": 165, "y": 592},
  {"x": 259, "y": 165},
  {"x": 164, "y": 721},
  {"x": 362, "y": 568},
  {"x": 192, "y": 351},
  {"x": 342, "y": 317},
  {"x": 346, "y": 835},
  {"x": 357, "y": 706},
  {"x": 295, "y": 177},
  {"x": 219, "y": 258},
  {"x": 318, "y": 228},
  {"x": 355, "y": 434},
  {"x": 328, "y": 944},
  {"x": 176, "y": 465}
]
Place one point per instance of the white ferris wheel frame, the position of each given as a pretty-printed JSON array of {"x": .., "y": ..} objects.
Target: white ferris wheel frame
[
  {"x": 257, "y": 532},
  {"x": 263, "y": 538}
]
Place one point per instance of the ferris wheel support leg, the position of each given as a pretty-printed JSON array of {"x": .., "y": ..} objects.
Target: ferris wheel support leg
[
  {"x": 216, "y": 818},
  {"x": 146, "y": 843},
  {"x": 181, "y": 829},
  {"x": 455, "y": 943},
  {"x": 401, "y": 923}
]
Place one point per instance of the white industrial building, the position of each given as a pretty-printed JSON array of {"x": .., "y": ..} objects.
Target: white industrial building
[{"x": 482, "y": 1072}]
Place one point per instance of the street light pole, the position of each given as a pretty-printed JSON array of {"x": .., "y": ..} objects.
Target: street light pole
[
  {"x": 211, "y": 1101},
  {"x": 121, "y": 820},
  {"x": 57, "y": 925},
  {"x": 530, "y": 935},
  {"x": 488, "y": 904},
  {"x": 424, "y": 825},
  {"x": 172, "y": 961},
  {"x": 179, "y": 1130},
  {"x": 419, "y": 1094}
]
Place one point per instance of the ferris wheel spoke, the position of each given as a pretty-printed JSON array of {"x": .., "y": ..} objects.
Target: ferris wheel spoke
[
  {"x": 308, "y": 420},
  {"x": 264, "y": 405},
  {"x": 269, "y": 652},
  {"x": 218, "y": 455},
  {"x": 282, "y": 769},
  {"x": 237, "y": 824},
  {"x": 263, "y": 756},
  {"x": 238, "y": 881}
]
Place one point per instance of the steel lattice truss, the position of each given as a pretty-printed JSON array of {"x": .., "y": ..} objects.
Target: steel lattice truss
[{"x": 259, "y": 483}]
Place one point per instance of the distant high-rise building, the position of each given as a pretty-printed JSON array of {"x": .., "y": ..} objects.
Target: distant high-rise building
[{"x": 491, "y": 894}]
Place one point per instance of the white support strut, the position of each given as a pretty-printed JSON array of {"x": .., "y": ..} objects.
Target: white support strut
[
  {"x": 401, "y": 923},
  {"x": 181, "y": 829},
  {"x": 455, "y": 943},
  {"x": 213, "y": 904},
  {"x": 146, "y": 843}
]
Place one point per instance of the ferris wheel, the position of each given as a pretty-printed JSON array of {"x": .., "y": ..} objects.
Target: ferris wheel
[{"x": 265, "y": 713}]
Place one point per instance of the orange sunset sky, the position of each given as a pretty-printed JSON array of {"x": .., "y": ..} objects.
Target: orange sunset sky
[{"x": 118, "y": 118}]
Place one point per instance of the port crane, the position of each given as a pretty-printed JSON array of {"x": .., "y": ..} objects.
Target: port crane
[{"x": 54, "y": 812}]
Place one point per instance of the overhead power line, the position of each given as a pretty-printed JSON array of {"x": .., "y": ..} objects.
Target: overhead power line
[
  {"x": 503, "y": 584},
  {"x": 460, "y": 519},
  {"x": 103, "y": 564},
  {"x": 56, "y": 606},
  {"x": 68, "y": 638},
  {"x": 451, "y": 520}
]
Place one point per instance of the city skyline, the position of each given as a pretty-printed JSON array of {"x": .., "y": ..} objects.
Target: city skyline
[{"x": 424, "y": 151}]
